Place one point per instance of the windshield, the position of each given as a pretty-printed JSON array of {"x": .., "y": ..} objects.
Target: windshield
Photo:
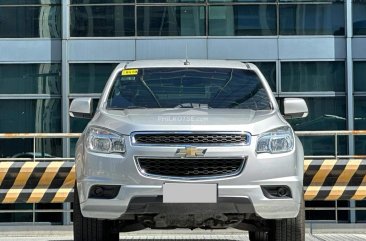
[{"x": 188, "y": 88}]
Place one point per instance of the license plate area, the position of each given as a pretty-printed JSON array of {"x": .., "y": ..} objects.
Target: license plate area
[{"x": 189, "y": 193}]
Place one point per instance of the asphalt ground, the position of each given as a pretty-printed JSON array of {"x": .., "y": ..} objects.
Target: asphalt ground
[{"x": 65, "y": 234}]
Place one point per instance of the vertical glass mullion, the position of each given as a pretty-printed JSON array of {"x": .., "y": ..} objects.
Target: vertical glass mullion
[
  {"x": 206, "y": 20},
  {"x": 349, "y": 88},
  {"x": 65, "y": 93},
  {"x": 278, "y": 77},
  {"x": 135, "y": 21},
  {"x": 278, "y": 17}
]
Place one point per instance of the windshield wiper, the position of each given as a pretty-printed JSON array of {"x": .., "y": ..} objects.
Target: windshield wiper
[
  {"x": 150, "y": 91},
  {"x": 126, "y": 108},
  {"x": 223, "y": 88}
]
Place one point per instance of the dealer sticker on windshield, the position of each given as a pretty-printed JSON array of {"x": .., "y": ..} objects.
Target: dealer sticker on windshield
[{"x": 126, "y": 72}]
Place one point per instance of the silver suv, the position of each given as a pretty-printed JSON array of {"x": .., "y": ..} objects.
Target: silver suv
[{"x": 188, "y": 144}]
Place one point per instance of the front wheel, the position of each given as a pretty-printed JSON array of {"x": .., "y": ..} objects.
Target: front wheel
[
  {"x": 258, "y": 236},
  {"x": 92, "y": 229},
  {"x": 290, "y": 229}
]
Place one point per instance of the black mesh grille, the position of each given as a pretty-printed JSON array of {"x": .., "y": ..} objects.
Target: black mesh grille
[
  {"x": 192, "y": 138},
  {"x": 190, "y": 167}
]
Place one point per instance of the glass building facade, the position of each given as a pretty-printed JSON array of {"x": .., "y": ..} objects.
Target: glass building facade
[{"x": 52, "y": 51}]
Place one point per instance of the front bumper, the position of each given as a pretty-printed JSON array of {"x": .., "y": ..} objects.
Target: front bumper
[
  {"x": 260, "y": 170},
  {"x": 262, "y": 206}
]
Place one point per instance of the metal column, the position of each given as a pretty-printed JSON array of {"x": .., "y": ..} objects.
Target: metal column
[
  {"x": 65, "y": 93},
  {"x": 349, "y": 78}
]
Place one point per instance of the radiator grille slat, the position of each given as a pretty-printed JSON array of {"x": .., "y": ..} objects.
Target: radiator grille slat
[
  {"x": 190, "y": 167},
  {"x": 192, "y": 138}
]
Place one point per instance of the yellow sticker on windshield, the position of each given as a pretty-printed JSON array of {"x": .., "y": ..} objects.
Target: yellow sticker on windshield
[{"x": 130, "y": 72}]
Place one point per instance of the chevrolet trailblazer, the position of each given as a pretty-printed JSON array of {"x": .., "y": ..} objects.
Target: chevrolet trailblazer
[{"x": 188, "y": 144}]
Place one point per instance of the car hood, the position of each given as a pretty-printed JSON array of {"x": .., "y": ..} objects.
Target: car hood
[{"x": 128, "y": 121}]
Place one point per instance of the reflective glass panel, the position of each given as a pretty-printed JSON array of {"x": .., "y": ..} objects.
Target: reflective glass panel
[
  {"x": 100, "y": 1},
  {"x": 30, "y": 79},
  {"x": 268, "y": 69},
  {"x": 89, "y": 78},
  {"x": 242, "y": 20},
  {"x": 30, "y": 22},
  {"x": 30, "y": 116},
  {"x": 102, "y": 21},
  {"x": 312, "y": 19},
  {"x": 360, "y": 123},
  {"x": 16, "y": 217},
  {"x": 27, "y": 217},
  {"x": 239, "y": 1},
  {"x": 77, "y": 125},
  {"x": 325, "y": 113},
  {"x": 361, "y": 215},
  {"x": 170, "y": 21},
  {"x": 29, "y": 2},
  {"x": 313, "y": 76},
  {"x": 312, "y": 1},
  {"x": 342, "y": 215},
  {"x": 170, "y": 1},
  {"x": 54, "y": 218},
  {"x": 359, "y": 18},
  {"x": 359, "y": 76}
]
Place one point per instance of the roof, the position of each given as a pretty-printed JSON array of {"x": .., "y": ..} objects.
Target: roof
[{"x": 193, "y": 63}]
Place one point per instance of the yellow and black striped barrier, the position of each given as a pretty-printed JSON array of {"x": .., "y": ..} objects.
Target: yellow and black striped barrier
[
  {"x": 36, "y": 182},
  {"x": 53, "y": 182},
  {"x": 335, "y": 179}
]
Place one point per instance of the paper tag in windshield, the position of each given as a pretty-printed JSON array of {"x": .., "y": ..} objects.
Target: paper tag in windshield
[{"x": 127, "y": 72}]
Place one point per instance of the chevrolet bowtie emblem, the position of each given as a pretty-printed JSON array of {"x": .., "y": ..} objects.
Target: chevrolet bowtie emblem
[{"x": 190, "y": 152}]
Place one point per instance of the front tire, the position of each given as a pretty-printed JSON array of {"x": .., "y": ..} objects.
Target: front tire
[
  {"x": 258, "y": 236},
  {"x": 92, "y": 229},
  {"x": 290, "y": 229}
]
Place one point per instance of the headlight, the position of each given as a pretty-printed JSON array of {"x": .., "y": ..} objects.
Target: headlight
[
  {"x": 101, "y": 140},
  {"x": 276, "y": 141}
]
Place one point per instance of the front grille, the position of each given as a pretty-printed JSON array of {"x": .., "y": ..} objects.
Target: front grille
[
  {"x": 181, "y": 138},
  {"x": 190, "y": 167}
]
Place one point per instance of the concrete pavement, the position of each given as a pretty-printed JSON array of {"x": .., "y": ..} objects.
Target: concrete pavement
[{"x": 64, "y": 233}]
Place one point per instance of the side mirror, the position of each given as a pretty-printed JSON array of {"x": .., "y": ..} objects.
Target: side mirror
[
  {"x": 81, "y": 108},
  {"x": 295, "y": 108}
]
